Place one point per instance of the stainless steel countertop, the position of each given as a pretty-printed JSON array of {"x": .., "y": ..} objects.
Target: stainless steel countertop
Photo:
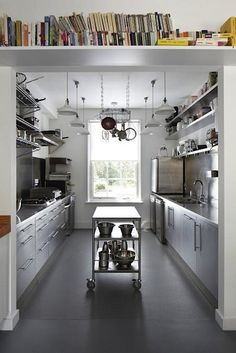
[
  {"x": 26, "y": 212},
  {"x": 208, "y": 212}
]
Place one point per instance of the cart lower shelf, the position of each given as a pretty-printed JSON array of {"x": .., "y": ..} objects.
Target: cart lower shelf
[{"x": 113, "y": 268}]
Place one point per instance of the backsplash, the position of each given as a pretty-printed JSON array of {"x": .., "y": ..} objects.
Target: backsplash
[
  {"x": 196, "y": 167},
  {"x": 24, "y": 169}
]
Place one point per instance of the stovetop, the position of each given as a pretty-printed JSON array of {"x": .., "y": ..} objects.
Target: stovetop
[{"x": 38, "y": 202}]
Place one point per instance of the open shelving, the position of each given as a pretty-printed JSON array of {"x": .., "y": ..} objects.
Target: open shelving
[
  {"x": 204, "y": 99},
  {"x": 199, "y": 123},
  {"x": 213, "y": 149}
]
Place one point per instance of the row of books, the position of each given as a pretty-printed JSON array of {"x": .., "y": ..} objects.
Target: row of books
[
  {"x": 105, "y": 30},
  {"x": 198, "y": 38},
  {"x": 97, "y": 29},
  {"x": 118, "y": 23}
]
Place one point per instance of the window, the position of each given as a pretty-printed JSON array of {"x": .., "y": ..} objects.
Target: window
[{"x": 114, "y": 166}]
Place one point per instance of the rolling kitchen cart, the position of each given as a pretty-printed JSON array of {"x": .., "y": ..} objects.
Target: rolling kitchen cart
[{"x": 117, "y": 215}]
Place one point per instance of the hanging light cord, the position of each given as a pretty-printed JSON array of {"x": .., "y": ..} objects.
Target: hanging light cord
[
  {"x": 67, "y": 99},
  {"x": 102, "y": 93},
  {"x": 153, "y": 84},
  {"x": 83, "y": 100},
  {"x": 127, "y": 93},
  {"x": 145, "y": 117},
  {"x": 165, "y": 100},
  {"x": 76, "y": 98}
]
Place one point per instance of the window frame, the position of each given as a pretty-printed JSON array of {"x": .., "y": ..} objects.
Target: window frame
[{"x": 90, "y": 196}]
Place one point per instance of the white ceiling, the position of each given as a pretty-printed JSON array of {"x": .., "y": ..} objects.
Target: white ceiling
[{"x": 53, "y": 86}]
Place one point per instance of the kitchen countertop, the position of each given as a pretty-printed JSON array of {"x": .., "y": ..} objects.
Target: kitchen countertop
[
  {"x": 5, "y": 225},
  {"x": 206, "y": 211},
  {"x": 26, "y": 212}
]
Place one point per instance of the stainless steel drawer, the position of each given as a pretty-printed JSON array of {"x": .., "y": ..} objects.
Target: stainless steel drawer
[
  {"x": 25, "y": 275},
  {"x": 25, "y": 248},
  {"x": 26, "y": 228},
  {"x": 42, "y": 255}
]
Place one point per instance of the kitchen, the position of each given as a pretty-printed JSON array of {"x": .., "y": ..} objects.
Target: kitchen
[
  {"x": 69, "y": 147},
  {"x": 148, "y": 190}
]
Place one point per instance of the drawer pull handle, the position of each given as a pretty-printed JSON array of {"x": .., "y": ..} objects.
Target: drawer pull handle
[
  {"x": 27, "y": 228},
  {"x": 67, "y": 206},
  {"x": 43, "y": 247},
  {"x": 42, "y": 217},
  {"x": 26, "y": 240},
  {"x": 55, "y": 234},
  {"x": 55, "y": 217},
  {"x": 62, "y": 226},
  {"x": 29, "y": 262},
  {"x": 45, "y": 225}
]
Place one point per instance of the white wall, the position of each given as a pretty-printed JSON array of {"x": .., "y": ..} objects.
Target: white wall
[
  {"x": 8, "y": 192},
  {"x": 186, "y": 15},
  {"x": 76, "y": 149},
  {"x": 226, "y": 313}
]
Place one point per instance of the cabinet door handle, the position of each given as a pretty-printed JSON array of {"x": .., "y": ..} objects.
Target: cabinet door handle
[
  {"x": 29, "y": 262},
  {"x": 200, "y": 237},
  {"x": 27, "y": 228},
  {"x": 43, "y": 247},
  {"x": 26, "y": 240}
]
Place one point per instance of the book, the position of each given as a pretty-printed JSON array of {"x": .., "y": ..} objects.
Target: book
[
  {"x": 174, "y": 42},
  {"x": 25, "y": 39},
  {"x": 18, "y": 33},
  {"x": 229, "y": 26}
]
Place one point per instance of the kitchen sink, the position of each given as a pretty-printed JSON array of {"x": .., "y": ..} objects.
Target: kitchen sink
[{"x": 187, "y": 200}]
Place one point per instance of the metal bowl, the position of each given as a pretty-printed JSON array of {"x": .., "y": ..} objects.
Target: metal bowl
[
  {"x": 105, "y": 228},
  {"x": 124, "y": 258},
  {"x": 126, "y": 229}
]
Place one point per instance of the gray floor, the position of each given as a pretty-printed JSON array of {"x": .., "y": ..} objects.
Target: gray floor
[{"x": 168, "y": 315}]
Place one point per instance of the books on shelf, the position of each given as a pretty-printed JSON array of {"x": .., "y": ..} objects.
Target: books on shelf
[
  {"x": 97, "y": 29},
  {"x": 109, "y": 29}
]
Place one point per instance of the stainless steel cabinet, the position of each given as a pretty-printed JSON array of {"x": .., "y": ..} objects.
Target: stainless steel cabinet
[
  {"x": 26, "y": 267},
  {"x": 37, "y": 239},
  {"x": 196, "y": 241},
  {"x": 173, "y": 225},
  {"x": 188, "y": 251},
  {"x": 207, "y": 255}
]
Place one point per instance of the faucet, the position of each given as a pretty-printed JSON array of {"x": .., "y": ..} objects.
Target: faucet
[{"x": 202, "y": 197}]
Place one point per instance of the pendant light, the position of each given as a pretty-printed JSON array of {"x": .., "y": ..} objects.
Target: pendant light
[
  {"x": 165, "y": 110},
  {"x": 152, "y": 123},
  {"x": 66, "y": 109},
  {"x": 84, "y": 130},
  {"x": 76, "y": 122}
]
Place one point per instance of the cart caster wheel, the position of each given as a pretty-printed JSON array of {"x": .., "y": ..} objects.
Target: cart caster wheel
[
  {"x": 137, "y": 284},
  {"x": 90, "y": 283}
]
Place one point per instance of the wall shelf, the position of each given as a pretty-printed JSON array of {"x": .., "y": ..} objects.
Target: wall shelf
[
  {"x": 199, "y": 123},
  {"x": 35, "y": 58},
  {"x": 213, "y": 149},
  {"x": 26, "y": 100},
  {"x": 204, "y": 99},
  {"x": 24, "y": 125},
  {"x": 20, "y": 142}
]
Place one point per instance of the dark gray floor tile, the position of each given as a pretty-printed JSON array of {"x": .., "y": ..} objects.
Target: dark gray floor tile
[{"x": 167, "y": 315}]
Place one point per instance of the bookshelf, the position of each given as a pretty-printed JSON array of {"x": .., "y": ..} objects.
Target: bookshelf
[{"x": 37, "y": 58}]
